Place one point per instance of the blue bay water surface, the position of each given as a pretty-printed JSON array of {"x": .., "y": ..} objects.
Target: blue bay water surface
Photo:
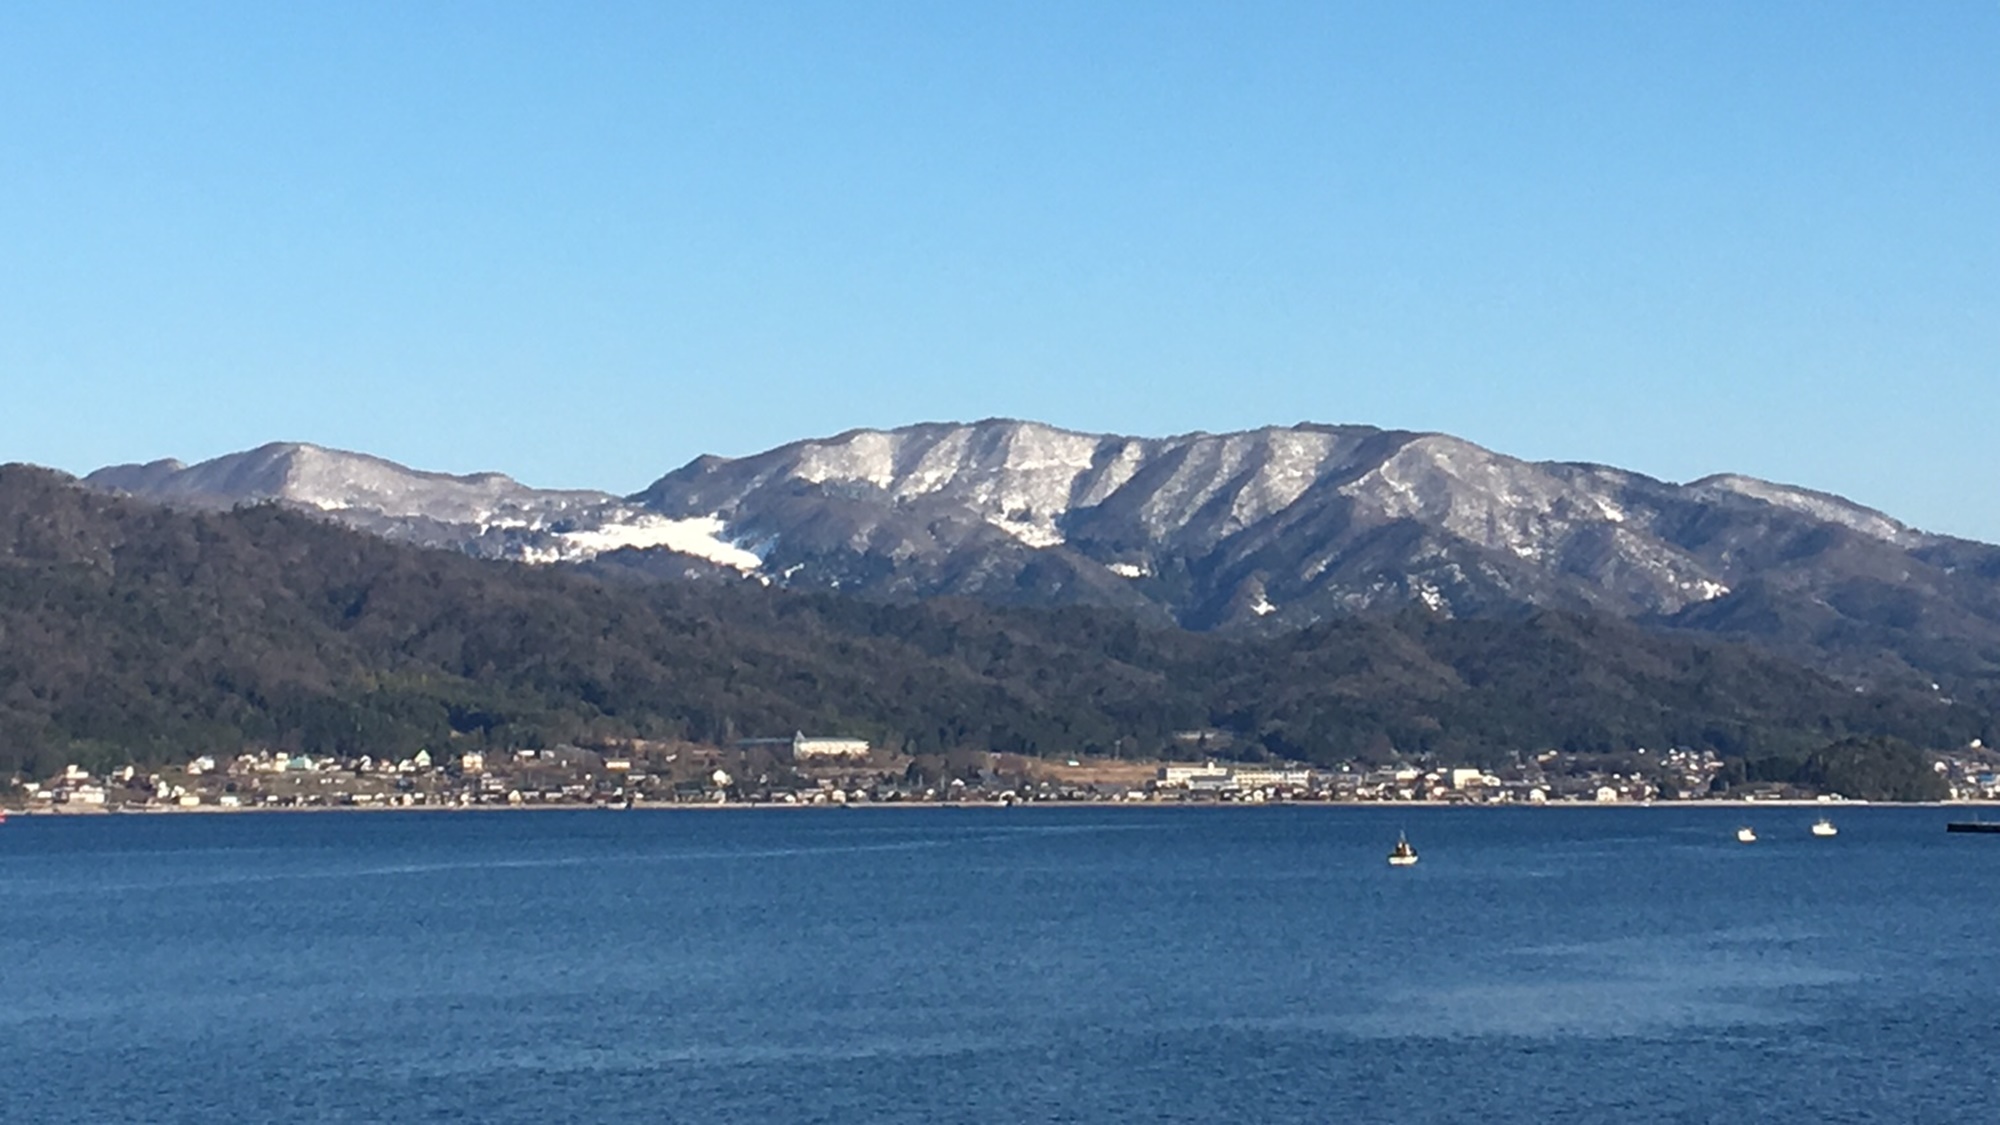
[{"x": 1074, "y": 965}]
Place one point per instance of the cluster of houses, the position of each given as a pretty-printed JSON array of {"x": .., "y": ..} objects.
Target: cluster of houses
[
  {"x": 561, "y": 775},
  {"x": 206, "y": 782},
  {"x": 806, "y": 770},
  {"x": 1550, "y": 776},
  {"x": 1972, "y": 776}
]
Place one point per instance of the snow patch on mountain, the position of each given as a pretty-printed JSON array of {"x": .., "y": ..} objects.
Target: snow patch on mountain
[
  {"x": 1020, "y": 480},
  {"x": 1034, "y": 533},
  {"x": 1432, "y": 597},
  {"x": 704, "y": 538}
]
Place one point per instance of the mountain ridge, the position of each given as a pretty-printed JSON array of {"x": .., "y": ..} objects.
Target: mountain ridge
[
  {"x": 133, "y": 631},
  {"x": 1273, "y": 528}
]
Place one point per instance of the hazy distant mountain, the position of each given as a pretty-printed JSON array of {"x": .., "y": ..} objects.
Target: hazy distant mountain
[{"x": 1271, "y": 528}]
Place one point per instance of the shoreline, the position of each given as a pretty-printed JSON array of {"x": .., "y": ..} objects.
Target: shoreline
[{"x": 711, "y": 806}]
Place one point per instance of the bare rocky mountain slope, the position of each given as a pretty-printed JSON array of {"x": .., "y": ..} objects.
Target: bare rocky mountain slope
[{"x": 1265, "y": 529}]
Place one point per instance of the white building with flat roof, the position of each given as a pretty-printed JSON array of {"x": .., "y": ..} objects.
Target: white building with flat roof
[
  {"x": 1183, "y": 774},
  {"x": 1211, "y": 775},
  {"x": 827, "y": 749}
]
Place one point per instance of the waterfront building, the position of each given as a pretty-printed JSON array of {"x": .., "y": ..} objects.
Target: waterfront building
[
  {"x": 1184, "y": 775},
  {"x": 1270, "y": 777}
]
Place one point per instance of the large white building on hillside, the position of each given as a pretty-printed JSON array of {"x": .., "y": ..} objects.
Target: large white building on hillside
[{"x": 827, "y": 749}]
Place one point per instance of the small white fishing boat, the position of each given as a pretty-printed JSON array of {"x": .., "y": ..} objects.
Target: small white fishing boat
[
  {"x": 1402, "y": 855},
  {"x": 1745, "y": 835},
  {"x": 1824, "y": 827}
]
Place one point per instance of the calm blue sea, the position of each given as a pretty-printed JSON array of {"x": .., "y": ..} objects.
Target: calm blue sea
[{"x": 1074, "y": 965}]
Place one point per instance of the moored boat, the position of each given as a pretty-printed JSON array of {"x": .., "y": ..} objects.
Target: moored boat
[
  {"x": 1824, "y": 827},
  {"x": 1745, "y": 835},
  {"x": 1402, "y": 855}
]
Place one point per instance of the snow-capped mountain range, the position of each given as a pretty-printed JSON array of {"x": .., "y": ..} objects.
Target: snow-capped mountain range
[
  {"x": 485, "y": 514},
  {"x": 1273, "y": 527}
]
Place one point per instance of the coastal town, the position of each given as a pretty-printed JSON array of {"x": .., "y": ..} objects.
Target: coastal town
[{"x": 843, "y": 771}]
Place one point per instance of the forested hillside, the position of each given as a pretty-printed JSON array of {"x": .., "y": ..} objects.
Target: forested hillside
[{"x": 129, "y": 631}]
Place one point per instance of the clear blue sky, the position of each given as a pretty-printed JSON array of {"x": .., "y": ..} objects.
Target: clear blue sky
[{"x": 582, "y": 243}]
